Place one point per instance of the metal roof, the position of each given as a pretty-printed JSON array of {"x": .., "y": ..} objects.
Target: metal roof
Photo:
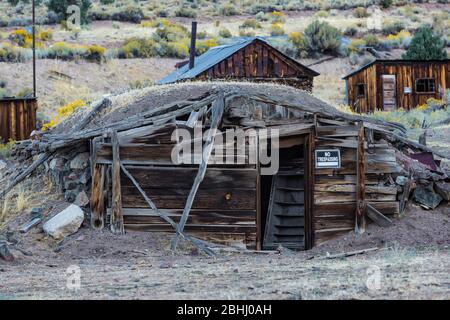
[
  {"x": 393, "y": 61},
  {"x": 212, "y": 57}
]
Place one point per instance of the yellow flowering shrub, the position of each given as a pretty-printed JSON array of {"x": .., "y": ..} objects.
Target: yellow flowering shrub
[{"x": 63, "y": 112}]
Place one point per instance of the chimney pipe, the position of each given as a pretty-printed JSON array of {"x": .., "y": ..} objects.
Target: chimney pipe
[{"x": 193, "y": 41}]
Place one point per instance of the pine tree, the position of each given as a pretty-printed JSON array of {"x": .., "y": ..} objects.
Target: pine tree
[{"x": 426, "y": 45}]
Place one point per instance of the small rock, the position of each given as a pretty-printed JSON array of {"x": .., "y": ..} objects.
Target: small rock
[
  {"x": 70, "y": 195},
  {"x": 82, "y": 199},
  {"x": 80, "y": 162},
  {"x": 57, "y": 164},
  {"x": 401, "y": 180},
  {"x": 5, "y": 254},
  {"x": 236, "y": 270},
  {"x": 65, "y": 223}
]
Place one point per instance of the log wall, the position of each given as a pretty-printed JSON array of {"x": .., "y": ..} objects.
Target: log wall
[
  {"x": 17, "y": 118},
  {"x": 260, "y": 62},
  {"x": 335, "y": 190}
]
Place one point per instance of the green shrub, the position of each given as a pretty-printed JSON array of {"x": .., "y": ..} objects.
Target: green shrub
[
  {"x": 138, "y": 48},
  {"x": 425, "y": 45},
  {"x": 131, "y": 13},
  {"x": 228, "y": 10},
  {"x": 322, "y": 14},
  {"x": 385, "y": 4},
  {"x": 10, "y": 53},
  {"x": 360, "y": 12},
  {"x": 205, "y": 45},
  {"x": 246, "y": 33},
  {"x": 225, "y": 33},
  {"x": 371, "y": 40},
  {"x": 393, "y": 27},
  {"x": 276, "y": 29},
  {"x": 321, "y": 37},
  {"x": 106, "y": 2},
  {"x": 250, "y": 23},
  {"x": 185, "y": 12},
  {"x": 299, "y": 42}
]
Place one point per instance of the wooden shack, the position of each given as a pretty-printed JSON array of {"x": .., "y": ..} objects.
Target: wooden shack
[
  {"x": 17, "y": 118},
  {"x": 247, "y": 59},
  {"x": 136, "y": 185},
  {"x": 394, "y": 84}
]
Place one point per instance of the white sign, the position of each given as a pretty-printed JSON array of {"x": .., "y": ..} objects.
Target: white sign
[{"x": 328, "y": 158}]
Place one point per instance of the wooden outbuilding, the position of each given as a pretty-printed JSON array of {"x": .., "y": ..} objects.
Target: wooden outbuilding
[
  {"x": 17, "y": 118},
  {"x": 247, "y": 59},
  {"x": 394, "y": 84},
  {"x": 335, "y": 170}
]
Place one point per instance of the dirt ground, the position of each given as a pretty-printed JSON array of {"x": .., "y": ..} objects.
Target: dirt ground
[{"x": 412, "y": 263}]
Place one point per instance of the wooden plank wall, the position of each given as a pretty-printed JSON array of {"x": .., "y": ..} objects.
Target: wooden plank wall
[
  {"x": 225, "y": 206},
  {"x": 406, "y": 76},
  {"x": 17, "y": 118},
  {"x": 260, "y": 62},
  {"x": 367, "y": 77},
  {"x": 335, "y": 189}
]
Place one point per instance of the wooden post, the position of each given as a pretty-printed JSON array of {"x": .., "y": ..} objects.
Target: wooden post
[
  {"x": 117, "y": 226},
  {"x": 216, "y": 117},
  {"x": 360, "y": 221},
  {"x": 97, "y": 195}
]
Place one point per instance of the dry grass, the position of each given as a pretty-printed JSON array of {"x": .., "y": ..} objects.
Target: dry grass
[{"x": 33, "y": 192}]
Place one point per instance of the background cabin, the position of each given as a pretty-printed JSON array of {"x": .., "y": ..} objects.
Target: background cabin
[
  {"x": 248, "y": 59},
  {"x": 395, "y": 84}
]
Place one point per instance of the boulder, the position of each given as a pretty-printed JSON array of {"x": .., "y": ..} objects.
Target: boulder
[
  {"x": 443, "y": 189},
  {"x": 427, "y": 197},
  {"x": 82, "y": 199},
  {"x": 80, "y": 162},
  {"x": 65, "y": 223}
]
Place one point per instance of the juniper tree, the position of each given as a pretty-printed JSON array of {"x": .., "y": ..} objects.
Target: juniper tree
[{"x": 426, "y": 45}]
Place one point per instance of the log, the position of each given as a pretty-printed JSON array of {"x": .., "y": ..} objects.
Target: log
[
  {"x": 97, "y": 200},
  {"x": 96, "y": 108},
  {"x": 351, "y": 253},
  {"x": 360, "y": 221},
  {"x": 217, "y": 112},
  {"x": 117, "y": 226}
]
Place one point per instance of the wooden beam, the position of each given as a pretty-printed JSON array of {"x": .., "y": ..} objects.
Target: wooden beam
[
  {"x": 217, "y": 112},
  {"x": 97, "y": 194},
  {"x": 117, "y": 226},
  {"x": 377, "y": 217},
  {"x": 360, "y": 221}
]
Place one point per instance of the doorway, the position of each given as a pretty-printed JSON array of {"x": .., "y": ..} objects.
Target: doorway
[
  {"x": 284, "y": 198},
  {"x": 389, "y": 94}
]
